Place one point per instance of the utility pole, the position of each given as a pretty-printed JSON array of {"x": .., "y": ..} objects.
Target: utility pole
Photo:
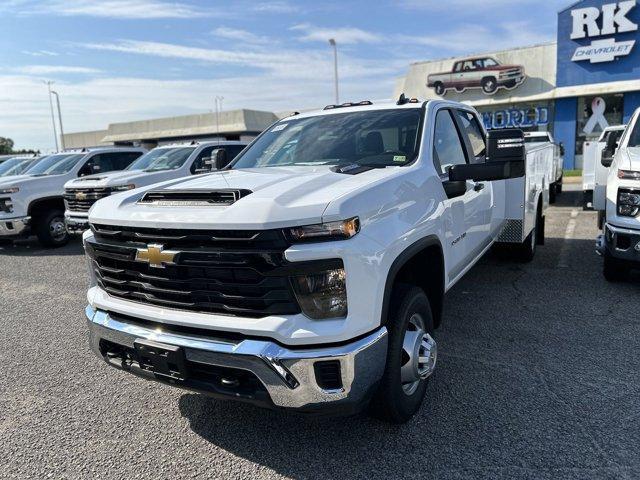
[
  {"x": 48, "y": 83},
  {"x": 59, "y": 118},
  {"x": 218, "y": 109},
  {"x": 332, "y": 42}
]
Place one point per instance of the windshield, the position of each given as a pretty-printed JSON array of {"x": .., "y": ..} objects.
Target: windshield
[
  {"x": 162, "y": 159},
  {"x": 9, "y": 165},
  {"x": 55, "y": 164},
  {"x": 371, "y": 138},
  {"x": 634, "y": 138}
]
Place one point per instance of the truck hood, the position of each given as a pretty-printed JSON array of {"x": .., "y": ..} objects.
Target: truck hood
[
  {"x": 630, "y": 159},
  {"x": 280, "y": 197},
  {"x": 20, "y": 180},
  {"x": 138, "y": 177}
]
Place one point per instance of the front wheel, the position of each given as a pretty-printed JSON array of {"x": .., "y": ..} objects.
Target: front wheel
[
  {"x": 439, "y": 88},
  {"x": 51, "y": 230},
  {"x": 489, "y": 85},
  {"x": 615, "y": 270},
  {"x": 411, "y": 356}
]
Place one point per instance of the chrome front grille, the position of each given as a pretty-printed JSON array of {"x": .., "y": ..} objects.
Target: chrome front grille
[{"x": 82, "y": 199}]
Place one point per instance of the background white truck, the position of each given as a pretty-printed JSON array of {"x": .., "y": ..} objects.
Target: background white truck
[
  {"x": 32, "y": 202},
  {"x": 594, "y": 173},
  {"x": 555, "y": 174},
  {"x": 162, "y": 163},
  {"x": 310, "y": 274},
  {"x": 619, "y": 243}
]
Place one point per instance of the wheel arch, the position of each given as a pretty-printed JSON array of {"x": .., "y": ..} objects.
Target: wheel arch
[
  {"x": 48, "y": 203},
  {"x": 410, "y": 267}
]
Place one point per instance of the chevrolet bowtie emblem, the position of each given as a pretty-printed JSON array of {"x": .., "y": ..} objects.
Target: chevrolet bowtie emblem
[
  {"x": 155, "y": 256},
  {"x": 81, "y": 196}
]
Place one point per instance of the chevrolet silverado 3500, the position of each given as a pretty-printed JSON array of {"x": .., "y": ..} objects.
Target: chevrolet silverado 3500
[
  {"x": 619, "y": 243},
  {"x": 32, "y": 202},
  {"x": 160, "y": 164},
  {"x": 310, "y": 273}
]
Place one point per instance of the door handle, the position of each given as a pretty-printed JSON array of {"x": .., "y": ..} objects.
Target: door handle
[{"x": 478, "y": 186}]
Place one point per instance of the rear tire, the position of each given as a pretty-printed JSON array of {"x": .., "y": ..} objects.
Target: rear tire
[
  {"x": 404, "y": 383},
  {"x": 552, "y": 193},
  {"x": 51, "y": 230},
  {"x": 615, "y": 270},
  {"x": 526, "y": 251}
]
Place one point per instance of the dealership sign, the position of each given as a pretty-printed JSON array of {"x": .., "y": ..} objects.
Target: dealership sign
[
  {"x": 516, "y": 118},
  {"x": 610, "y": 19}
]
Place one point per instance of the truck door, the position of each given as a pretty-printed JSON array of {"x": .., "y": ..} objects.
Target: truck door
[{"x": 479, "y": 207}]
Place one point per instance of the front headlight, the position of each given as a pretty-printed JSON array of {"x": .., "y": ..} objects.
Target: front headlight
[
  {"x": 7, "y": 191},
  {"x": 322, "y": 295},
  {"x": 340, "y": 230},
  {"x": 628, "y": 175},
  {"x": 122, "y": 188},
  {"x": 628, "y": 203}
]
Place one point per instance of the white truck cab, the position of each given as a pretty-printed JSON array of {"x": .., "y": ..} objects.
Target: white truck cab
[
  {"x": 594, "y": 173},
  {"x": 160, "y": 164},
  {"x": 310, "y": 273},
  {"x": 555, "y": 166},
  {"x": 32, "y": 202},
  {"x": 619, "y": 243}
]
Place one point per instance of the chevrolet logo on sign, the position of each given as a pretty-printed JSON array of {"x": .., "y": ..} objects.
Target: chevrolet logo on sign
[
  {"x": 155, "y": 256},
  {"x": 81, "y": 196}
]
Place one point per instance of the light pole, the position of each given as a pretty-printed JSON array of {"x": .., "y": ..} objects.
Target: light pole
[
  {"x": 53, "y": 118},
  {"x": 332, "y": 42},
  {"x": 218, "y": 109},
  {"x": 59, "y": 118}
]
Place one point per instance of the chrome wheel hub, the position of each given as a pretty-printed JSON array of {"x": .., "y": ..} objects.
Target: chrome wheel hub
[
  {"x": 57, "y": 229},
  {"x": 419, "y": 354}
]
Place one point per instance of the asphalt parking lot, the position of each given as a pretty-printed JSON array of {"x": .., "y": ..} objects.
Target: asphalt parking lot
[{"x": 538, "y": 378}]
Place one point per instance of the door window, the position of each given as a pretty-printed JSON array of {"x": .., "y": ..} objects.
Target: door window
[
  {"x": 472, "y": 132},
  {"x": 447, "y": 149},
  {"x": 108, "y": 162}
]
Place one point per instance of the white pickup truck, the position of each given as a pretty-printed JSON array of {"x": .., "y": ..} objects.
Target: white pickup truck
[
  {"x": 619, "y": 243},
  {"x": 555, "y": 174},
  {"x": 594, "y": 173},
  {"x": 160, "y": 164},
  {"x": 310, "y": 273},
  {"x": 32, "y": 202}
]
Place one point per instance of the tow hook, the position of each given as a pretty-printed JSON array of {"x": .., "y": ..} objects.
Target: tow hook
[{"x": 600, "y": 245}]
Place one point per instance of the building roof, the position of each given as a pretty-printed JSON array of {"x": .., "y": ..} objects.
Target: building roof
[{"x": 235, "y": 121}]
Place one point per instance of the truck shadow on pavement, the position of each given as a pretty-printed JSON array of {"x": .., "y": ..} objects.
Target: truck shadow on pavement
[{"x": 30, "y": 247}]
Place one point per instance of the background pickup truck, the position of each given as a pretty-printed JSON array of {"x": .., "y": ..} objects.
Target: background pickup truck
[
  {"x": 481, "y": 72},
  {"x": 619, "y": 243},
  {"x": 594, "y": 173},
  {"x": 310, "y": 273}
]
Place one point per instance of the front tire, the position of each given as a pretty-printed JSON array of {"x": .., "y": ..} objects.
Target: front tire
[
  {"x": 439, "y": 89},
  {"x": 51, "y": 230},
  {"x": 489, "y": 85},
  {"x": 411, "y": 356},
  {"x": 615, "y": 270}
]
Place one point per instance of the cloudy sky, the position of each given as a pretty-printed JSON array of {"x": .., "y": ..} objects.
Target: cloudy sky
[{"x": 121, "y": 60}]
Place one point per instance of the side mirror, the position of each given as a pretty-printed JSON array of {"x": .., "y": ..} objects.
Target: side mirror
[
  {"x": 221, "y": 159},
  {"x": 207, "y": 163},
  {"x": 505, "y": 159},
  {"x": 609, "y": 151}
]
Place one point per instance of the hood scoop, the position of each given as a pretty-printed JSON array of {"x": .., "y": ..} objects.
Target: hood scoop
[{"x": 192, "y": 198}]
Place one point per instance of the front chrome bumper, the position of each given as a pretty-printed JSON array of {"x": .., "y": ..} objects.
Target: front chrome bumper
[
  {"x": 14, "y": 227},
  {"x": 288, "y": 376},
  {"x": 622, "y": 243},
  {"x": 76, "y": 224}
]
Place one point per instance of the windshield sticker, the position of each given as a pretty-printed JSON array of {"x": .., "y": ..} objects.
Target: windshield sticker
[
  {"x": 282, "y": 126},
  {"x": 399, "y": 158}
]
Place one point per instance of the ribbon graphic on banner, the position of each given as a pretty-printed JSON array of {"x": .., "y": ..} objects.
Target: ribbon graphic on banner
[{"x": 598, "y": 107}]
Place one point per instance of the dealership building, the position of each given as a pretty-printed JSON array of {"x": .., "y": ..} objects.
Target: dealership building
[{"x": 574, "y": 87}]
